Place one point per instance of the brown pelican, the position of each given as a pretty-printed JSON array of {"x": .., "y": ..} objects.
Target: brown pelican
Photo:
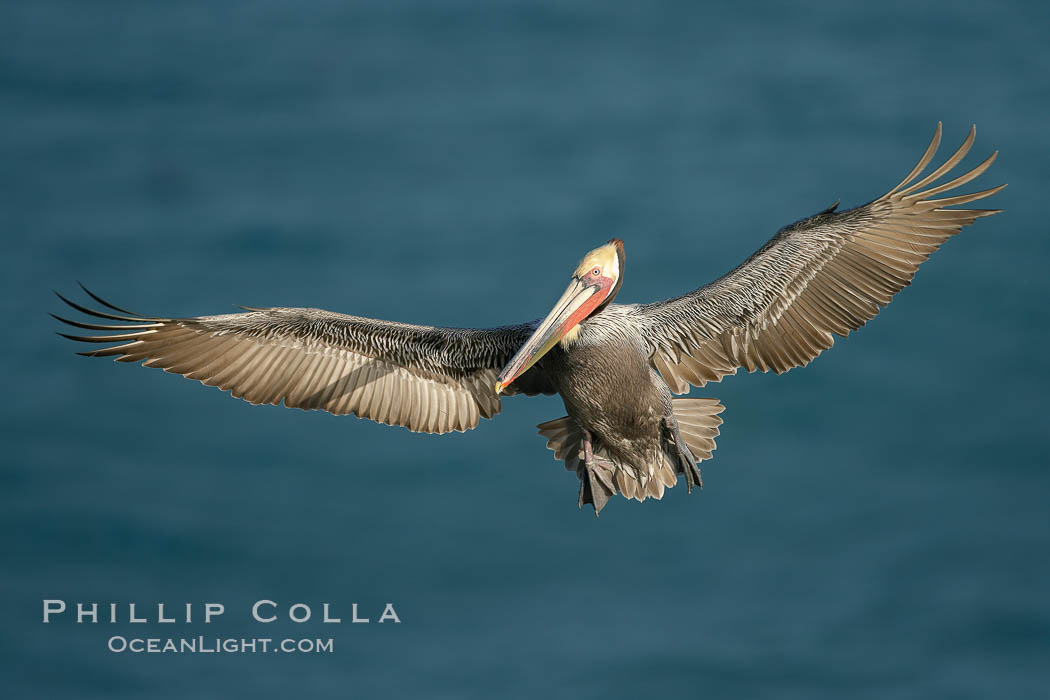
[{"x": 615, "y": 366}]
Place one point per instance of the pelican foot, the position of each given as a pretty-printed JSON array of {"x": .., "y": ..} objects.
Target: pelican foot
[
  {"x": 686, "y": 461},
  {"x": 597, "y": 486}
]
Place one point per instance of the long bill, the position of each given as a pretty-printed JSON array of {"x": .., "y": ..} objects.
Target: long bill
[{"x": 576, "y": 304}]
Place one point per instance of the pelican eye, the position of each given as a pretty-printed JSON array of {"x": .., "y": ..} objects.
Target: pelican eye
[{"x": 596, "y": 271}]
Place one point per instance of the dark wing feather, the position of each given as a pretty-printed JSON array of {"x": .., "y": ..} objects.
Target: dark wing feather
[
  {"x": 820, "y": 277},
  {"x": 424, "y": 378}
]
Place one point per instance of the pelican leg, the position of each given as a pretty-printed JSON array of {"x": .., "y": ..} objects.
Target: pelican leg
[
  {"x": 597, "y": 485},
  {"x": 686, "y": 460}
]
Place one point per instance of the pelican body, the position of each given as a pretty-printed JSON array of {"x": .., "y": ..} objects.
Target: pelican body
[{"x": 616, "y": 367}]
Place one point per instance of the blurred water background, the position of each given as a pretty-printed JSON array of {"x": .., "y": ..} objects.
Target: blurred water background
[{"x": 874, "y": 526}]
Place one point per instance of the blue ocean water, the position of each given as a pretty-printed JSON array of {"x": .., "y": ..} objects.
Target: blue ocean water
[{"x": 873, "y": 526}]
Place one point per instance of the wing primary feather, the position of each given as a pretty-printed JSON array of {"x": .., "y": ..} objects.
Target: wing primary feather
[
  {"x": 109, "y": 352},
  {"x": 931, "y": 151},
  {"x": 937, "y": 204},
  {"x": 946, "y": 166},
  {"x": 102, "y": 314},
  {"x": 137, "y": 335},
  {"x": 105, "y": 303},
  {"x": 957, "y": 182},
  {"x": 104, "y": 327}
]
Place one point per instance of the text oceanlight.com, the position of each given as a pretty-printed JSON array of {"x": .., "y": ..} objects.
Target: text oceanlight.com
[{"x": 218, "y": 645}]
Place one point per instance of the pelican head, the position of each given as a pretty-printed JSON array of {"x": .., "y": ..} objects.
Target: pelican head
[{"x": 594, "y": 283}]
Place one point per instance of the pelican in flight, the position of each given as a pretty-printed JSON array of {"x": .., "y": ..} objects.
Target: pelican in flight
[{"x": 616, "y": 366}]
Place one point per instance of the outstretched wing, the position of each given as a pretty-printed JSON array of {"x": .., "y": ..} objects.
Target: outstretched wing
[
  {"x": 820, "y": 277},
  {"x": 426, "y": 379}
]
